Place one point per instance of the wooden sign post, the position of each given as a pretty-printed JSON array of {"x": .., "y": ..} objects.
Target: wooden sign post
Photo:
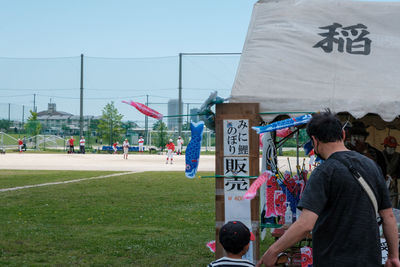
[{"x": 237, "y": 154}]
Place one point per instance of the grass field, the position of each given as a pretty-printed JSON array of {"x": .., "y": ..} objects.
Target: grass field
[
  {"x": 13, "y": 178},
  {"x": 143, "y": 219}
]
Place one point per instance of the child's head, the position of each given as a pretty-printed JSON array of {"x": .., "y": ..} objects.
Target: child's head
[{"x": 235, "y": 237}]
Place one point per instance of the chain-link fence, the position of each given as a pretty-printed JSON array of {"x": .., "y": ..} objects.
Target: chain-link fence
[{"x": 26, "y": 84}]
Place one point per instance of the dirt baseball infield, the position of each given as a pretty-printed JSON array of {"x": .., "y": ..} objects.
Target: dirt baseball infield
[{"x": 108, "y": 162}]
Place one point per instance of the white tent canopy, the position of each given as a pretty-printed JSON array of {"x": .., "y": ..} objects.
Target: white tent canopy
[{"x": 309, "y": 55}]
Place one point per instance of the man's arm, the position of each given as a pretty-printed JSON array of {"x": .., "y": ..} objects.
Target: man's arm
[
  {"x": 391, "y": 234},
  {"x": 296, "y": 232}
]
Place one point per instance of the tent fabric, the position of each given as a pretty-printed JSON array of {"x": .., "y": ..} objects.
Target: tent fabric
[{"x": 309, "y": 55}]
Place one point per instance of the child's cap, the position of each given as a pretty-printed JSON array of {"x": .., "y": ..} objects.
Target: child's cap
[{"x": 234, "y": 236}]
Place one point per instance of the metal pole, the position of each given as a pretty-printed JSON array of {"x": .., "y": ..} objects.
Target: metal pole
[
  {"x": 81, "y": 102},
  {"x": 187, "y": 112},
  {"x": 150, "y": 140},
  {"x": 297, "y": 152},
  {"x": 9, "y": 110},
  {"x": 111, "y": 132},
  {"x": 146, "y": 122},
  {"x": 34, "y": 102},
  {"x": 180, "y": 96},
  {"x": 206, "y": 139},
  {"x": 22, "y": 123}
]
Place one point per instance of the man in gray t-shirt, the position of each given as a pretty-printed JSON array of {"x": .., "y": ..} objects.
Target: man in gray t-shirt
[
  {"x": 346, "y": 232},
  {"x": 335, "y": 207}
]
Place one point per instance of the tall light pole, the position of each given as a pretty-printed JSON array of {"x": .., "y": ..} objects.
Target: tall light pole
[
  {"x": 81, "y": 102},
  {"x": 180, "y": 96},
  {"x": 34, "y": 102},
  {"x": 146, "y": 123},
  {"x": 180, "y": 80}
]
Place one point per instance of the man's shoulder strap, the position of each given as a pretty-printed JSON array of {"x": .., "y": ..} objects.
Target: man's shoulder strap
[
  {"x": 361, "y": 181},
  {"x": 346, "y": 163}
]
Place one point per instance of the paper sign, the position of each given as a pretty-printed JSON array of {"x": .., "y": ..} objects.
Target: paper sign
[{"x": 236, "y": 137}]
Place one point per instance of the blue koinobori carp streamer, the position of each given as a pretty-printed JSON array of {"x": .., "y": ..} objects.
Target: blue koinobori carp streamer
[
  {"x": 192, "y": 154},
  {"x": 282, "y": 124}
]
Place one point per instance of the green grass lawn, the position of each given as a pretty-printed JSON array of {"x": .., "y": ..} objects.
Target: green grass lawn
[
  {"x": 143, "y": 219},
  {"x": 13, "y": 178}
]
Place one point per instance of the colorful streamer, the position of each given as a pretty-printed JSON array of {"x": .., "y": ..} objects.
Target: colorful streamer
[
  {"x": 306, "y": 257},
  {"x": 145, "y": 109},
  {"x": 211, "y": 246},
  {"x": 283, "y": 132},
  {"x": 252, "y": 191},
  {"x": 282, "y": 124},
  {"x": 192, "y": 154}
]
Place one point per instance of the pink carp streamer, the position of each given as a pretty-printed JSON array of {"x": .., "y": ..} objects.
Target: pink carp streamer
[
  {"x": 272, "y": 186},
  {"x": 145, "y": 109},
  {"x": 279, "y": 203},
  {"x": 283, "y": 132},
  {"x": 211, "y": 246},
  {"x": 251, "y": 193}
]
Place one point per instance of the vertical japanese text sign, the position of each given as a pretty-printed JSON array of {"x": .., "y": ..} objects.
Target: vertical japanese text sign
[
  {"x": 237, "y": 156},
  {"x": 236, "y": 163}
]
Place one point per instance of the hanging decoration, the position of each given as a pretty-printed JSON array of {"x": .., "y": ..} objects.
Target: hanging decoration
[
  {"x": 206, "y": 114},
  {"x": 192, "y": 154},
  {"x": 282, "y": 124},
  {"x": 145, "y": 110}
]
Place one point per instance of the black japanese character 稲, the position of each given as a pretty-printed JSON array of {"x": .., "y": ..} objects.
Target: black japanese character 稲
[{"x": 353, "y": 38}]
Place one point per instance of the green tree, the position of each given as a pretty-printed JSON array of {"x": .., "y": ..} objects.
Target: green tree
[
  {"x": 33, "y": 126},
  {"x": 186, "y": 126},
  {"x": 110, "y": 123},
  {"x": 4, "y": 125},
  {"x": 128, "y": 126},
  {"x": 161, "y": 135}
]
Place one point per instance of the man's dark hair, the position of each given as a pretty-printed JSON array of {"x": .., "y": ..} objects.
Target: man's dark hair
[{"x": 325, "y": 126}]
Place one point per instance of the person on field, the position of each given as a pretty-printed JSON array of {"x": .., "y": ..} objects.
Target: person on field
[
  {"x": 179, "y": 144},
  {"x": 141, "y": 144},
  {"x": 82, "y": 143},
  {"x": 20, "y": 145},
  {"x": 71, "y": 145},
  {"x": 337, "y": 209},
  {"x": 235, "y": 238},
  {"x": 115, "y": 148},
  {"x": 125, "y": 146},
  {"x": 24, "y": 143},
  {"x": 170, "y": 153}
]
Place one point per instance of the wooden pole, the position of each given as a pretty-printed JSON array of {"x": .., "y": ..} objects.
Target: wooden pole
[{"x": 236, "y": 111}]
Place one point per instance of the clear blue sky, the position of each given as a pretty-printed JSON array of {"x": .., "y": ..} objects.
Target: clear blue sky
[
  {"x": 154, "y": 30},
  {"x": 122, "y": 28},
  {"x": 131, "y": 50}
]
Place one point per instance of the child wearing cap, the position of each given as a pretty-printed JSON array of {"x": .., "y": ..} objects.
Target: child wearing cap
[
  {"x": 171, "y": 148},
  {"x": 125, "y": 146},
  {"x": 235, "y": 237}
]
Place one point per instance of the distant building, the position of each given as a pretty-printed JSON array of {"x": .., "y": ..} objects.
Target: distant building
[
  {"x": 173, "y": 109},
  {"x": 60, "y": 122},
  {"x": 194, "y": 114}
]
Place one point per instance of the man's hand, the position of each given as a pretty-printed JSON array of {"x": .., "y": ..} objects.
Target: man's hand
[
  {"x": 296, "y": 232},
  {"x": 268, "y": 259},
  {"x": 392, "y": 262}
]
